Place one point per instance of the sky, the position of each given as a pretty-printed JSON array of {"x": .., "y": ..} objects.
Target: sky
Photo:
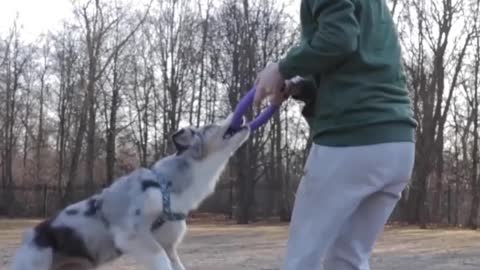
[
  {"x": 35, "y": 16},
  {"x": 40, "y": 16}
]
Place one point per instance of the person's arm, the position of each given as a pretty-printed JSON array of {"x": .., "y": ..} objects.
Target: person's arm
[{"x": 335, "y": 38}]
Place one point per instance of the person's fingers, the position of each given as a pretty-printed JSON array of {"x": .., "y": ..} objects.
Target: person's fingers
[
  {"x": 257, "y": 80},
  {"x": 258, "y": 89},
  {"x": 259, "y": 95},
  {"x": 262, "y": 91},
  {"x": 274, "y": 100},
  {"x": 277, "y": 99},
  {"x": 279, "y": 94}
]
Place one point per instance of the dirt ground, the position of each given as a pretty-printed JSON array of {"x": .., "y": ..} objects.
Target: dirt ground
[{"x": 261, "y": 247}]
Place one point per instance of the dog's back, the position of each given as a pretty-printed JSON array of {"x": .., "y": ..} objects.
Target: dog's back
[
  {"x": 30, "y": 256},
  {"x": 76, "y": 238},
  {"x": 79, "y": 236},
  {"x": 123, "y": 218}
]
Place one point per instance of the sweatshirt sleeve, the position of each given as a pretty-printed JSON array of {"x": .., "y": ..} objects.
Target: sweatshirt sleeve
[{"x": 335, "y": 37}]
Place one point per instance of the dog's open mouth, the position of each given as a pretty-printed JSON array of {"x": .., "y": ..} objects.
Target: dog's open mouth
[{"x": 232, "y": 131}]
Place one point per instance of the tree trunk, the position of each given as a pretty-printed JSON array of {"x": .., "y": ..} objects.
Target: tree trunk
[
  {"x": 473, "y": 219},
  {"x": 112, "y": 124}
]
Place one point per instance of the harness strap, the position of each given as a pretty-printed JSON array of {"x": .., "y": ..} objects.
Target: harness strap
[{"x": 167, "y": 214}]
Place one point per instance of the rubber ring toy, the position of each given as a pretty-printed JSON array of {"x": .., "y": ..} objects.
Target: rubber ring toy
[{"x": 242, "y": 108}]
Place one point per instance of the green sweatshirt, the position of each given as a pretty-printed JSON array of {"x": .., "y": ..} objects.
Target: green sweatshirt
[{"x": 356, "y": 93}]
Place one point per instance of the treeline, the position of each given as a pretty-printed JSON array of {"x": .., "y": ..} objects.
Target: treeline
[{"x": 101, "y": 96}]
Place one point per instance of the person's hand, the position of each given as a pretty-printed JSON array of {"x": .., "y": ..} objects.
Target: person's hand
[{"x": 269, "y": 82}]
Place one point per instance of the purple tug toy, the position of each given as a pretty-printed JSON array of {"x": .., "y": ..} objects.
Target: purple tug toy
[
  {"x": 264, "y": 116},
  {"x": 242, "y": 108}
]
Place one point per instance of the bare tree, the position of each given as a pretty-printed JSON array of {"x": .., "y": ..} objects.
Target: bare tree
[
  {"x": 473, "y": 219},
  {"x": 433, "y": 88},
  {"x": 65, "y": 63},
  {"x": 13, "y": 64},
  {"x": 98, "y": 22}
]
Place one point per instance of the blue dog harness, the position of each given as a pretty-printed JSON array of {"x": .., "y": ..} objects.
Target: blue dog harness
[{"x": 165, "y": 187}]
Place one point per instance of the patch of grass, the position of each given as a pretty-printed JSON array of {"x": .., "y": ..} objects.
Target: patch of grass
[{"x": 9, "y": 224}]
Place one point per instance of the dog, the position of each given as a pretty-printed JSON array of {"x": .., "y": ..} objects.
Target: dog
[{"x": 141, "y": 215}]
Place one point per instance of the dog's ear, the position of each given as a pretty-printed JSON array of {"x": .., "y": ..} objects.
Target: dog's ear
[{"x": 182, "y": 139}]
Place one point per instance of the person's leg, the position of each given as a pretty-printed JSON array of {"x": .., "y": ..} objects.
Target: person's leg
[
  {"x": 353, "y": 246},
  {"x": 336, "y": 181}
]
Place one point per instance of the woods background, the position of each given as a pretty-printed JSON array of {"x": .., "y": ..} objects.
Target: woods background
[{"x": 99, "y": 97}]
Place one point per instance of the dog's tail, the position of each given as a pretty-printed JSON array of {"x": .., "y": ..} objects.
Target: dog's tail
[{"x": 30, "y": 256}]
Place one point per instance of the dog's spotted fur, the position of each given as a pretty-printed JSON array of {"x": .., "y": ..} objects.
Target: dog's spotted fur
[{"x": 124, "y": 218}]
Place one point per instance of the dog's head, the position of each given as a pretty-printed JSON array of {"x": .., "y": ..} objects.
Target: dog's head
[{"x": 210, "y": 140}]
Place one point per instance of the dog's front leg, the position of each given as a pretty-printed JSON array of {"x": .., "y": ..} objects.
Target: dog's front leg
[
  {"x": 153, "y": 260},
  {"x": 174, "y": 258},
  {"x": 144, "y": 248}
]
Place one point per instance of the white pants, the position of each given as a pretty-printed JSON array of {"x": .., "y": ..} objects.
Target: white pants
[{"x": 343, "y": 202}]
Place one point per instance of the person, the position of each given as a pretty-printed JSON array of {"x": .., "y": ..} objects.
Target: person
[{"x": 362, "y": 126}]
